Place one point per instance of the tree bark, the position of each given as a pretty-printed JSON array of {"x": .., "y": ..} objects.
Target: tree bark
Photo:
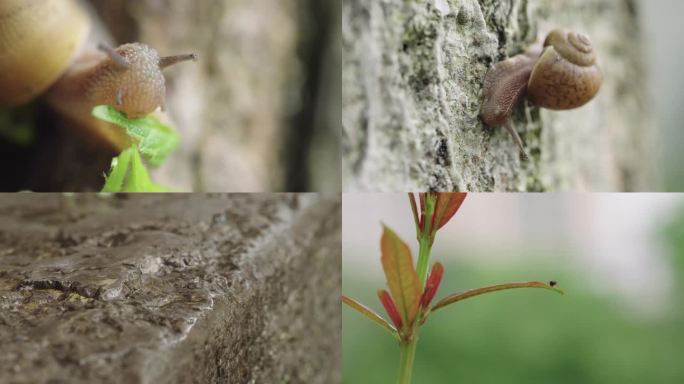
[{"x": 412, "y": 92}]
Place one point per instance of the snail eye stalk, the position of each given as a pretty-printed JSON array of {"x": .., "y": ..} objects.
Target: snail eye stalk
[{"x": 116, "y": 57}]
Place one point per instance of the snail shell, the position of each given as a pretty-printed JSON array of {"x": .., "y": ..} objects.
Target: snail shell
[
  {"x": 30, "y": 60},
  {"x": 564, "y": 75},
  {"x": 567, "y": 74}
]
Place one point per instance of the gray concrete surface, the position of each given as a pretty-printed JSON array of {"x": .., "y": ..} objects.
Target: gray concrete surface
[{"x": 169, "y": 288}]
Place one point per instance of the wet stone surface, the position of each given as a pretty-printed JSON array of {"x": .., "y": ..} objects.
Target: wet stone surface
[{"x": 173, "y": 288}]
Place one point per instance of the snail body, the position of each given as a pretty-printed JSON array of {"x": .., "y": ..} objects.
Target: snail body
[
  {"x": 77, "y": 75},
  {"x": 564, "y": 75}
]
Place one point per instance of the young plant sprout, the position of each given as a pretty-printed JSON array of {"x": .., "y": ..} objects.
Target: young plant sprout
[{"x": 411, "y": 289}]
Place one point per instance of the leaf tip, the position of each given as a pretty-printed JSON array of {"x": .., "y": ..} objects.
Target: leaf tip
[
  {"x": 553, "y": 285},
  {"x": 390, "y": 308},
  {"x": 432, "y": 284}
]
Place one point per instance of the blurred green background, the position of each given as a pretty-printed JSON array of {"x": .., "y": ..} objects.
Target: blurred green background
[{"x": 602, "y": 331}]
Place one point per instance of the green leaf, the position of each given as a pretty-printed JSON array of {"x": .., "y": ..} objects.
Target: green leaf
[
  {"x": 128, "y": 174},
  {"x": 456, "y": 297},
  {"x": 139, "y": 180},
  {"x": 401, "y": 275},
  {"x": 115, "y": 181},
  {"x": 156, "y": 140},
  {"x": 372, "y": 315}
]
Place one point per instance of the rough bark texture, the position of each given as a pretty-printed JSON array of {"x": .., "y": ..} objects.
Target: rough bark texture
[
  {"x": 412, "y": 91},
  {"x": 259, "y": 111},
  {"x": 169, "y": 289}
]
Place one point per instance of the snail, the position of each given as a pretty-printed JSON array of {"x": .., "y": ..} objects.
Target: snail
[
  {"x": 563, "y": 74},
  {"x": 47, "y": 48}
]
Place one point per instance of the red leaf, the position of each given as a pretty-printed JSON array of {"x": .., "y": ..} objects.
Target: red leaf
[
  {"x": 432, "y": 284},
  {"x": 446, "y": 207},
  {"x": 390, "y": 308},
  {"x": 414, "y": 209},
  {"x": 401, "y": 275},
  {"x": 421, "y": 198}
]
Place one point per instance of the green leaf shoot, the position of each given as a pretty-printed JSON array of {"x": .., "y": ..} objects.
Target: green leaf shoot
[
  {"x": 155, "y": 139},
  {"x": 128, "y": 174},
  {"x": 456, "y": 297},
  {"x": 115, "y": 181}
]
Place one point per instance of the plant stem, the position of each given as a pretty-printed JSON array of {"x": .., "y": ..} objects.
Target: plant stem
[
  {"x": 424, "y": 241},
  {"x": 423, "y": 259},
  {"x": 408, "y": 354},
  {"x": 408, "y": 348}
]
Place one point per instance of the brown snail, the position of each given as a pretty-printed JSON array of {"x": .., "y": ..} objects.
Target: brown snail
[
  {"x": 564, "y": 75},
  {"x": 46, "y": 48}
]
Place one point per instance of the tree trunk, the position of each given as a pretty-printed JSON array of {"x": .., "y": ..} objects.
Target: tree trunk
[{"x": 412, "y": 92}]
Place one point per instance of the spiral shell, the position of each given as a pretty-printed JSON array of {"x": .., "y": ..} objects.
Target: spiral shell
[
  {"x": 38, "y": 41},
  {"x": 567, "y": 74}
]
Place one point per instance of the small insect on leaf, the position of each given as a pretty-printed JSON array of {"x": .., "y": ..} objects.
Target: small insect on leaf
[
  {"x": 553, "y": 283},
  {"x": 456, "y": 297}
]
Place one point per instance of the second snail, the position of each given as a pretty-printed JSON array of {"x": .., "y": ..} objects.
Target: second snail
[{"x": 562, "y": 74}]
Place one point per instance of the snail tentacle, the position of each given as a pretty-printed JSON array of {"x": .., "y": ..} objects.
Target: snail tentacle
[
  {"x": 168, "y": 61},
  {"x": 119, "y": 98},
  {"x": 120, "y": 61},
  {"x": 516, "y": 139}
]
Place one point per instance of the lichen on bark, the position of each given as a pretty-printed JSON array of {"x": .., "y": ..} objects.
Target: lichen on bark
[{"x": 412, "y": 91}]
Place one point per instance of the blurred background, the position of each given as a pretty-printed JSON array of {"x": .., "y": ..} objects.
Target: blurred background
[
  {"x": 259, "y": 111},
  {"x": 664, "y": 52},
  {"x": 619, "y": 258}
]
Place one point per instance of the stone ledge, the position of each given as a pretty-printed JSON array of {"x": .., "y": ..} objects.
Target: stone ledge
[{"x": 173, "y": 288}]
